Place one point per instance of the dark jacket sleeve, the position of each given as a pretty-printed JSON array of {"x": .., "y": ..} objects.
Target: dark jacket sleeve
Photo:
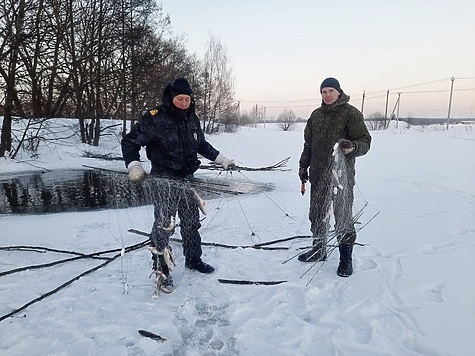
[
  {"x": 132, "y": 143},
  {"x": 359, "y": 134},
  {"x": 306, "y": 155},
  {"x": 204, "y": 147}
]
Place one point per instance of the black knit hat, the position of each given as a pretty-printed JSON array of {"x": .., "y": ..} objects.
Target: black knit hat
[
  {"x": 180, "y": 86},
  {"x": 331, "y": 83}
]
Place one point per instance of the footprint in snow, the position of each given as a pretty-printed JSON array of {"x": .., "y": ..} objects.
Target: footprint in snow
[
  {"x": 433, "y": 292},
  {"x": 367, "y": 263}
]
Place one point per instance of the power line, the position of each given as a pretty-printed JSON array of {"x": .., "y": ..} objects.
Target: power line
[
  {"x": 393, "y": 91},
  {"x": 293, "y": 106},
  {"x": 409, "y": 86},
  {"x": 420, "y": 91},
  {"x": 275, "y": 101},
  {"x": 435, "y": 91}
]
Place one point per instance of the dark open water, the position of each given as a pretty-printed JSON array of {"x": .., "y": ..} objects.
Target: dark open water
[
  {"x": 66, "y": 190},
  {"x": 81, "y": 190}
]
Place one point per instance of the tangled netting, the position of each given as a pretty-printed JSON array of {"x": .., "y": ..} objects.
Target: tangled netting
[{"x": 331, "y": 204}]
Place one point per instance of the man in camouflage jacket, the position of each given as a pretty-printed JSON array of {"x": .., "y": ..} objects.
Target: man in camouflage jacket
[
  {"x": 334, "y": 122},
  {"x": 173, "y": 138}
]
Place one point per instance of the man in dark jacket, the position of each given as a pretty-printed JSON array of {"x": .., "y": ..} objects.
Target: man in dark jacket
[
  {"x": 334, "y": 130},
  {"x": 172, "y": 136}
]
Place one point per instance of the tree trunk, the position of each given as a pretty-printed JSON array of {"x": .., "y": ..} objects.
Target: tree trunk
[{"x": 16, "y": 38}]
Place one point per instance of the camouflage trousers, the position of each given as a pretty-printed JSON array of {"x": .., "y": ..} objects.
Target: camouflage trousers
[
  {"x": 324, "y": 205},
  {"x": 168, "y": 201}
]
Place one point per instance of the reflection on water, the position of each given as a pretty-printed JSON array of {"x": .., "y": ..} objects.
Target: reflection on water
[
  {"x": 78, "y": 190},
  {"x": 62, "y": 191}
]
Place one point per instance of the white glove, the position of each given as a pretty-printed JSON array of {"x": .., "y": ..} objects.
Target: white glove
[
  {"x": 136, "y": 171},
  {"x": 225, "y": 162}
]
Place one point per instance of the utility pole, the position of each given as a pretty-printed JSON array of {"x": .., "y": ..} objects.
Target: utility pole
[
  {"x": 264, "y": 116},
  {"x": 397, "y": 112},
  {"x": 386, "y": 122},
  {"x": 452, "y": 79},
  {"x": 238, "y": 112},
  {"x": 386, "y": 110},
  {"x": 362, "y": 101}
]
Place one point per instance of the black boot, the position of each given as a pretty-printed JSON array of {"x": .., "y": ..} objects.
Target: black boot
[
  {"x": 345, "y": 268},
  {"x": 317, "y": 253},
  {"x": 197, "y": 264}
]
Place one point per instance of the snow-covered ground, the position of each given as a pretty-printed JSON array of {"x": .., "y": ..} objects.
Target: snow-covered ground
[{"x": 412, "y": 292}]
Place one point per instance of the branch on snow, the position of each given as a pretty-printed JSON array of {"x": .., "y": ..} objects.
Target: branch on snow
[
  {"x": 51, "y": 292},
  {"x": 261, "y": 246},
  {"x": 244, "y": 282},
  {"x": 280, "y": 166},
  {"x": 273, "y": 167}
]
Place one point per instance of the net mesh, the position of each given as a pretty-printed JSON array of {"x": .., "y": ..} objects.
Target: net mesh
[{"x": 331, "y": 204}]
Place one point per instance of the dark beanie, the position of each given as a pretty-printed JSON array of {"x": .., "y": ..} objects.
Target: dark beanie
[
  {"x": 331, "y": 83},
  {"x": 180, "y": 86}
]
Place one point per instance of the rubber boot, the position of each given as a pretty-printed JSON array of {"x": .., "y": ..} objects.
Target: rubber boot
[
  {"x": 197, "y": 264},
  {"x": 315, "y": 254},
  {"x": 345, "y": 267}
]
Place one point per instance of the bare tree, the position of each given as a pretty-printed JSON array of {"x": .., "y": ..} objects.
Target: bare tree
[
  {"x": 88, "y": 59},
  {"x": 12, "y": 18},
  {"x": 218, "y": 87},
  {"x": 376, "y": 121},
  {"x": 43, "y": 60},
  {"x": 258, "y": 114},
  {"x": 153, "y": 57},
  {"x": 287, "y": 120},
  {"x": 245, "y": 119}
]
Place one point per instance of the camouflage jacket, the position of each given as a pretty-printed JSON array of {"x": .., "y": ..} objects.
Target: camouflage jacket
[
  {"x": 172, "y": 140},
  {"x": 326, "y": 126}
]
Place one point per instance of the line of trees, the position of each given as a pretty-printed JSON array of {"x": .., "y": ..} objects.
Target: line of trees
[{"x": 96, "y": 59}]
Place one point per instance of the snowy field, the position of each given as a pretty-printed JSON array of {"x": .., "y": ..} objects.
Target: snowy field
[{"x": 412, "y": 292}]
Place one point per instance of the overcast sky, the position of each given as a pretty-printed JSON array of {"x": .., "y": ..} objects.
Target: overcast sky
[{"x": 280, "y": 51}]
